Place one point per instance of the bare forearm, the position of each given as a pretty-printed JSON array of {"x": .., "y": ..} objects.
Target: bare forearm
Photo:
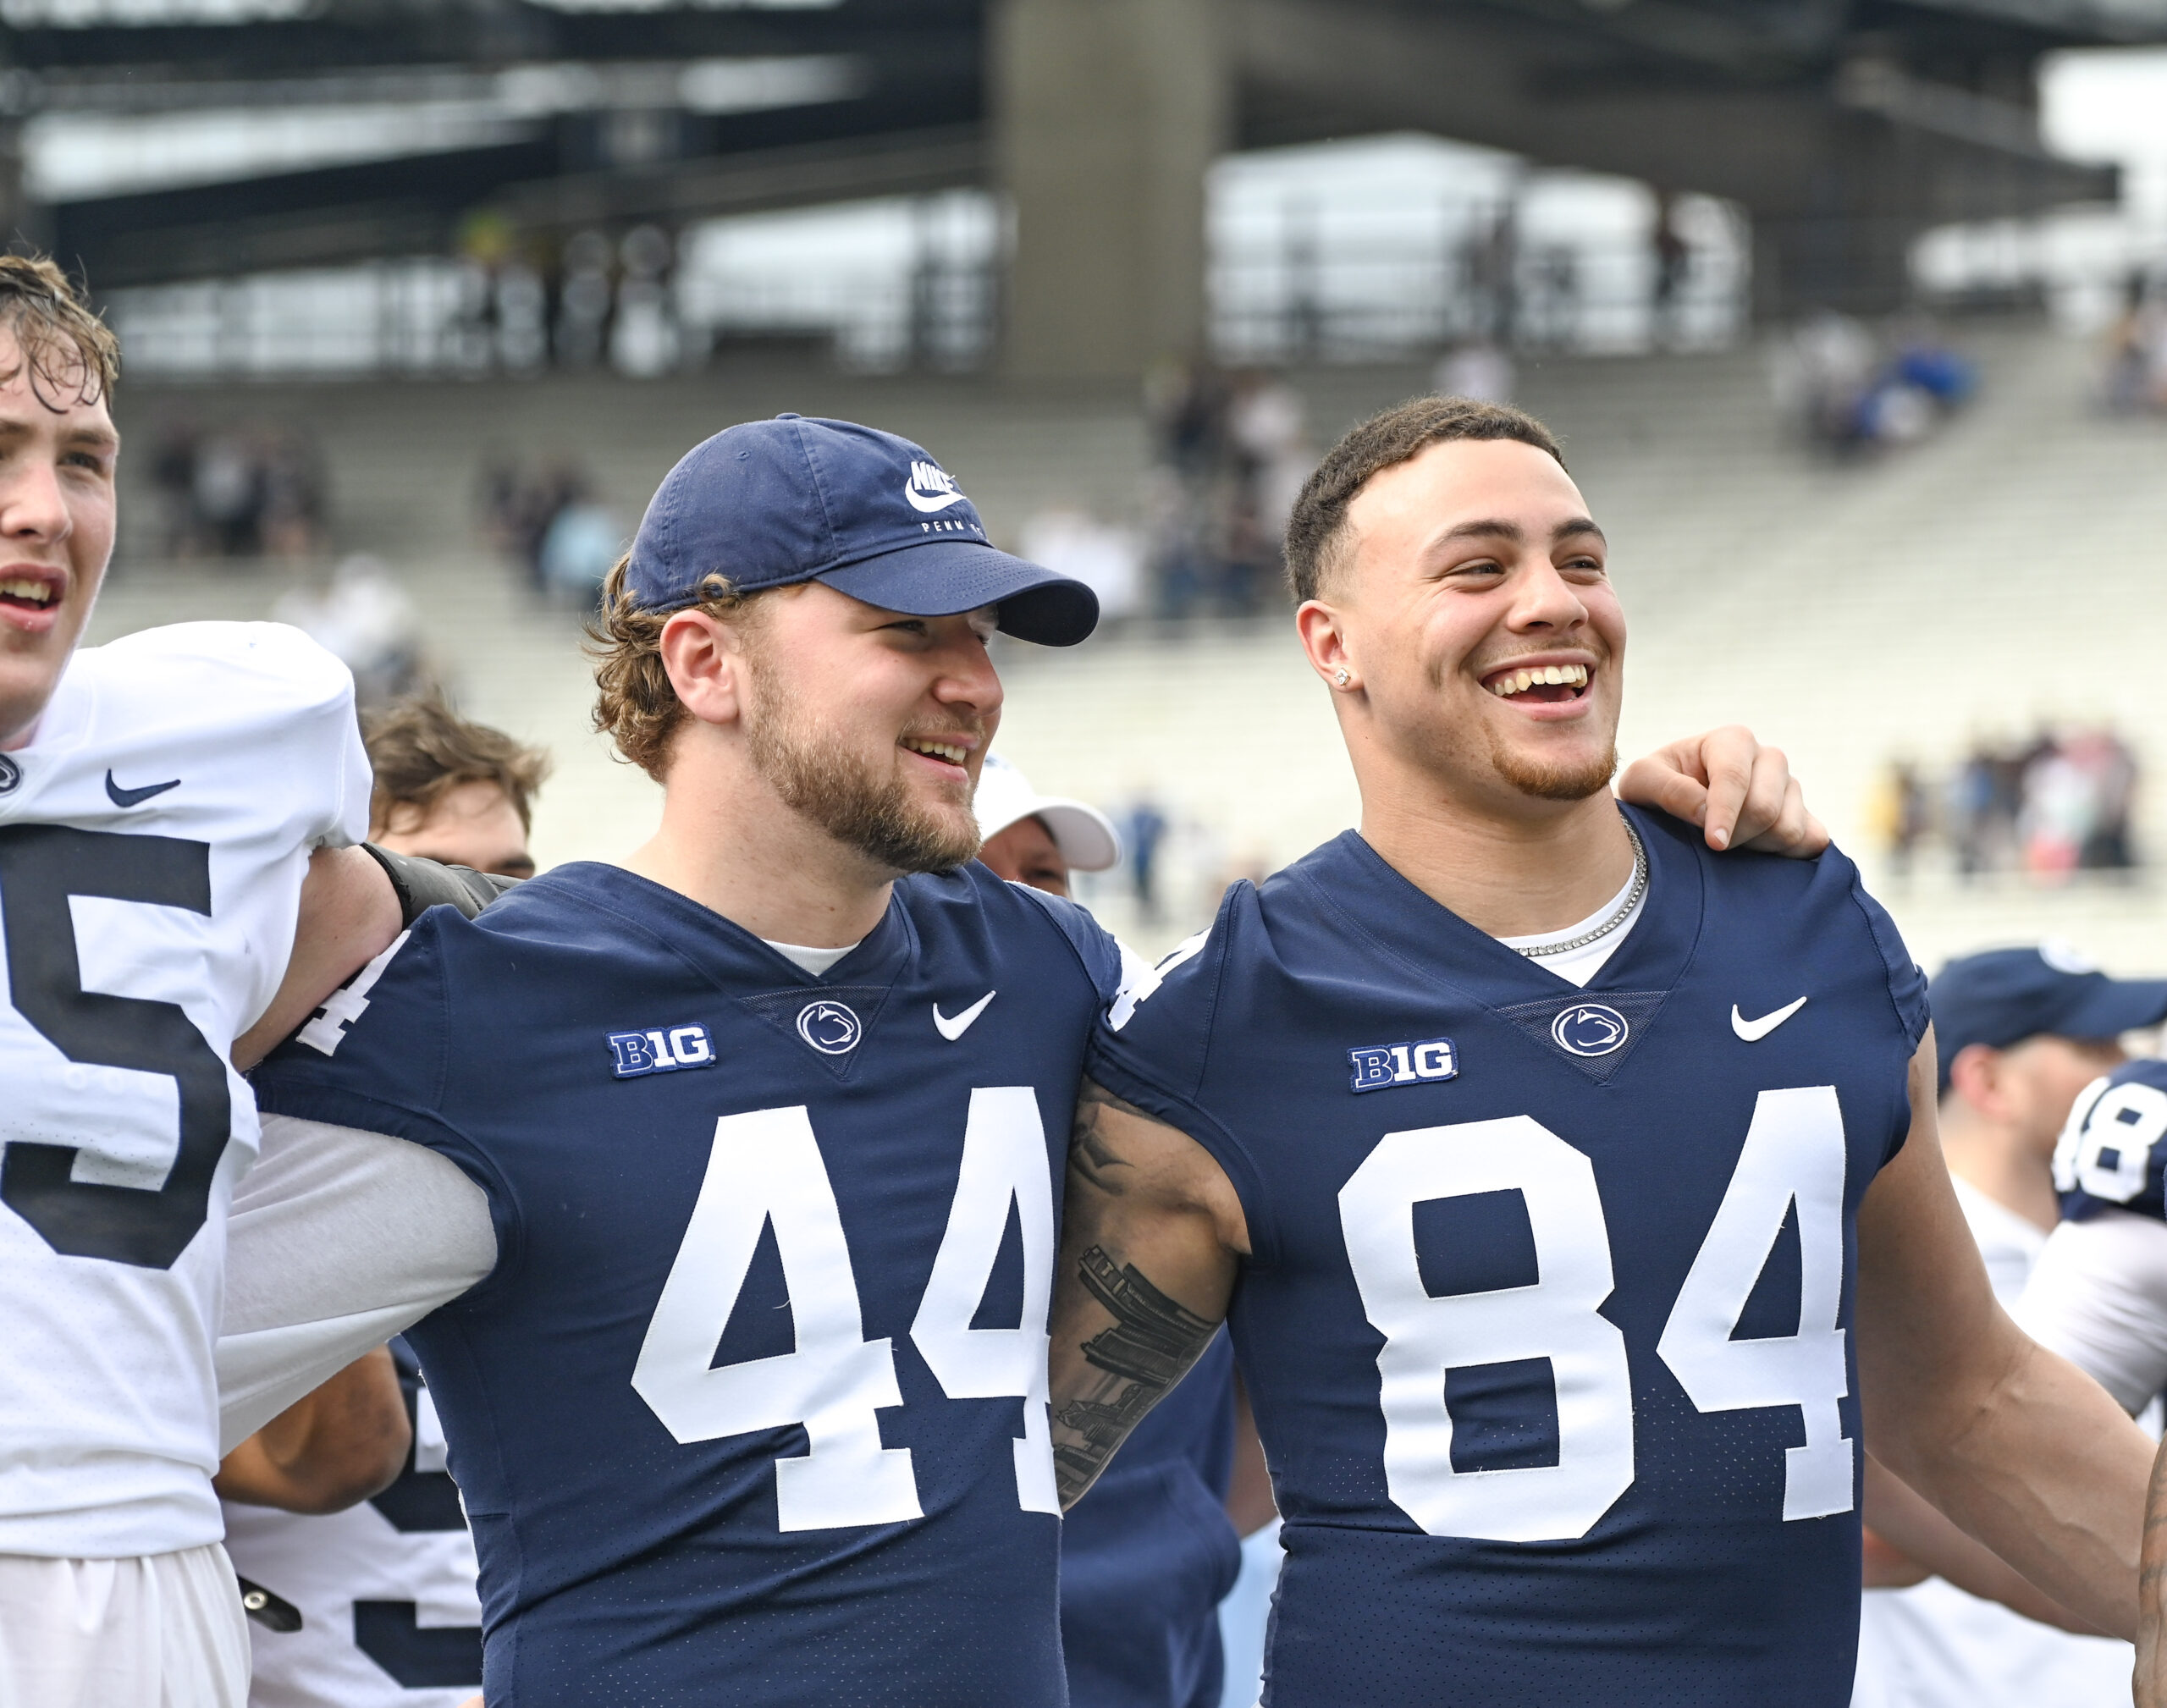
[
  {"x": 344, "y": 1442},
  {"x": 1142, "y": 1284},
  {"x": 2151, "y": 1682},
  {"x": 2049, "y": 1473},
  {"x": 1916, "y": 1540}
]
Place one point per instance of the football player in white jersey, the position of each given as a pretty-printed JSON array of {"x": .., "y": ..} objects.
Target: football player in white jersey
[{"x": 177, "y": 891}]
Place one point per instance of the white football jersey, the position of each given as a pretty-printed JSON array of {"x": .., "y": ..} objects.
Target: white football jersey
[
  {"x": 153, "y": 837},
  {"x": 385, "y": 1592}
]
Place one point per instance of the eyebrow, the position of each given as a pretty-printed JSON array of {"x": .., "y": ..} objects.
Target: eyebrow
[
  {"x": 1495, "y": 528},
  {"x": 94, "y": 438}
]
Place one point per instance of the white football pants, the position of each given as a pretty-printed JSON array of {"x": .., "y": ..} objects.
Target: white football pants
[{"x": 157, "y": 1631}]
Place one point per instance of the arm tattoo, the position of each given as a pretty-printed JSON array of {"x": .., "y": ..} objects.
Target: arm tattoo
[
  {"x": 1091, "y": 1153},
  {"x": 1152, "y": 1343}
]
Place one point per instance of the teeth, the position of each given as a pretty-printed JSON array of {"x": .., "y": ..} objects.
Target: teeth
[
  {"x": 38, "y": 591},
  {"x": 939, "y": 750},
  {"x": 1547, "y": 676}
]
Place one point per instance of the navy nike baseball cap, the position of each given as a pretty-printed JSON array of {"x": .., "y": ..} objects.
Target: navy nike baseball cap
[
  {"x": 2006, "y": 995},
  {"x": 770, "y": 502}
]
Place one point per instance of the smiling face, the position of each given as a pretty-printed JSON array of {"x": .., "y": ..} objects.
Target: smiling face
[
  {"x": 1470, "y": 605},
  {"x": 56, "y": 530},
  {"x": 873, "y": 724}
]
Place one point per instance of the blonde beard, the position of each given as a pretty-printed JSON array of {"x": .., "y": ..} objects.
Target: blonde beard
[{"x": 817, "y": 775}]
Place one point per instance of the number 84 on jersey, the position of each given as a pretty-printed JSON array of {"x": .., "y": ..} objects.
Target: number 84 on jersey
[{"x": 1793, "y": 1155}]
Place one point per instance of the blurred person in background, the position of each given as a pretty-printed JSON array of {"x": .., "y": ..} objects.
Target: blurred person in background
[
  {"x": 375, "y": 1606},
  {"x": 362, "y": 616},
  {"x": 1475, "y": 368},
  {"x": 1144, "y": 828},
  {"x": 2021, "y": 1032},
  {"x": 1149, "y": 1554}
]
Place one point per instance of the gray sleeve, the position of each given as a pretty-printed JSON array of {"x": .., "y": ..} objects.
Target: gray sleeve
[
  {"x": 339, "y": 1239},
  {"x": 2098, "y": 1297}
]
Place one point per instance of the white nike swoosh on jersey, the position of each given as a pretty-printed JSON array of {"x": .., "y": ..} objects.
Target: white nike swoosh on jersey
[
  {"x": 920, "y": 502},
  {"x": 953, "y": 1026},
  {"x": 1753, "y": 1031}
]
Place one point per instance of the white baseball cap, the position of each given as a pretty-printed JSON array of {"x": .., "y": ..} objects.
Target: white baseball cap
[{"x": 1086, "y": 837}]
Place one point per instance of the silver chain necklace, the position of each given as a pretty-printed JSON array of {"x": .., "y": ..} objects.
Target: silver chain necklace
[{"x": 1624, "y": 910}]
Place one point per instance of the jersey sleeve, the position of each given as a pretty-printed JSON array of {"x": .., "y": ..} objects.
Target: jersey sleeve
[
  {"x": 2098, "y": 1297},
  {"x": 1152, "y": 1048},
  {"x": 338, "y": 1239},
  {"x": 1907, "y": 980},
  {"x": 378, "y": 1057},
  {"x": 286, "y": 705},
  {"x": 1105, "y": 958}
]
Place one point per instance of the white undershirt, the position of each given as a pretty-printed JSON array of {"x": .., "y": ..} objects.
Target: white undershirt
[
  {"x": 816, "y": 961},
  {"x": 1578, "y": 966}
]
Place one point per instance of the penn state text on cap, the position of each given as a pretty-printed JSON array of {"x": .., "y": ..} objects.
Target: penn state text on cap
[
  {"x": 2006, "y": 996},
  {"x": 1085, "y": 836},
  {"x": 770, "y": 502}
]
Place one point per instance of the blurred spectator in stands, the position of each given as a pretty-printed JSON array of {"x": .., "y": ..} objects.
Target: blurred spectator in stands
[
  {"x": 450, "y": 790},
  {"x": 1106, "y": 559},
  {"x": 2137, "y": 356},
  {"x": 361, "y": 615},
  {"x": 1831, "y": 376},
  {"x": 1475, "y": 368},
  {"x": 518, "y": 508},
  {"x": 1036, "y": 839},
  {"x": 1673, "y": 270},
  {"x": 1489, "y": 263},
  {"x": 239, "y": 494},
  {"x": 1231, "y": 453},
  {"x": 584, "y": 539},
  {"x": 2061, "y": 803},
  {"x": 1144, "y": 828},
  {"x": 1900, "y": 814}
]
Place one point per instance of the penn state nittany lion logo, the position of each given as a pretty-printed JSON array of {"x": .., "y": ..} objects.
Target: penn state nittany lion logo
[
  {"x": 830, "y": 1028},
  {"x": 1589, "y": 1029}
]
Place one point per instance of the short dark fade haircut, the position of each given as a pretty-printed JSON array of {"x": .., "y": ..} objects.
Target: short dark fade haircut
[
  {"x": 70, "y": 355},
  {"x": 421, "y": 750},
  {"x": 1317, "y": 530}
]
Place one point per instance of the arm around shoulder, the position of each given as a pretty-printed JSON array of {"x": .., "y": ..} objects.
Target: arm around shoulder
[{"x": 1150, "y": 1238}]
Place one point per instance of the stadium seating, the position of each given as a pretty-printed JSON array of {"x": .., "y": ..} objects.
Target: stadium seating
[{"x": 1973, "y": 583}]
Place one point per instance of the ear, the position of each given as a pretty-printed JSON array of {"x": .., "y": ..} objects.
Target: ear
[
  {"x": 705, "y": 659},
  {"x": 1323, "y": 631},
  {"x": 1975, "y": 1074}
]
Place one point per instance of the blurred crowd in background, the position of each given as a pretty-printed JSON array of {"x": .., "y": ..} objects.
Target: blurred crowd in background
[
  {"x": 2058, "y": 804},
  {"x": 1849, "y": 389},
  {"x": 247, "y": 491},
  {"x": 549, "y": 519}
]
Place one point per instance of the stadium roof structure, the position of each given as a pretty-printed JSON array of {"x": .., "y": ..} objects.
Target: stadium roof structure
[{"x": 1844, "y": 126}]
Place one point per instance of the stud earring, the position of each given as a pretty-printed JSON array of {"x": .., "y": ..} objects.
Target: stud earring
[{"x": 1340, "y": 676}]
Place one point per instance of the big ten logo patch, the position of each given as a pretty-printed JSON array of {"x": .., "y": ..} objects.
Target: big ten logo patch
[
  {"x": 659, "y": 1049},
  {"x": 1377, "y": 1065}
]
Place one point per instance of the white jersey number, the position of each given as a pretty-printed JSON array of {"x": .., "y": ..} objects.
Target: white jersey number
[
  {"x": 766, "y": 1167},
  {"x": 2106, "y": 1148},
  {"x": 1794, "y": 1154}
]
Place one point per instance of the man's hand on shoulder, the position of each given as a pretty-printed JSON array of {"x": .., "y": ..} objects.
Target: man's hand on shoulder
[
  {"x": 1741, "y": 794},
  {"x": 1150, "y": 1237}
]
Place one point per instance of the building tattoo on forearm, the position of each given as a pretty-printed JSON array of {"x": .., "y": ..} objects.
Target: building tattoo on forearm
[{"x": 1152, "y": 1342}]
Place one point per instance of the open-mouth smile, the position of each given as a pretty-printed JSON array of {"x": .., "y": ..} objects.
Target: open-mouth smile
[{"x": 1546, "y": 685}]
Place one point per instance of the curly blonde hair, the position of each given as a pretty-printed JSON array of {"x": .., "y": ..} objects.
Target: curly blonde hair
[
  {"x": 634, "y": 704},
  {"x": 71, "y": 356}
]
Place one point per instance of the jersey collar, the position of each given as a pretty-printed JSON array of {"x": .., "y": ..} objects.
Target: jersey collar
[{"x": 1351, "y": 879}]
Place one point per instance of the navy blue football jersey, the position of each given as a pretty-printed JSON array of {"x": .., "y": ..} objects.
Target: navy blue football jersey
[
  {"x": 752, "y": 1409},
  {"x": 1546, "y": 1324},
  {"x": 2110, "y": 1156}
]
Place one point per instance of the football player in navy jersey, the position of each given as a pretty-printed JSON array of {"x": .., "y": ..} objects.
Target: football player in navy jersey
[
  {"x": 1575, "y": 1195},
  {"x": 722, "y": 1184}
]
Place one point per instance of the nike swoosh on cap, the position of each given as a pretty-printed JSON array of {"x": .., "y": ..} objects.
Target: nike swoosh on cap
[
  {"x": 1753, "y": 1031},
  {"x": 953, "y": 1026},
  {"x": 927, "y": 505},
  {"x": 134, "y": 797}
]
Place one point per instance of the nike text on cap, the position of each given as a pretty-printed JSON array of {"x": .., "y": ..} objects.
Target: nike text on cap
[
  {"x": 2006, "y": 995},
  {"x": 770, "y": 502}
]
